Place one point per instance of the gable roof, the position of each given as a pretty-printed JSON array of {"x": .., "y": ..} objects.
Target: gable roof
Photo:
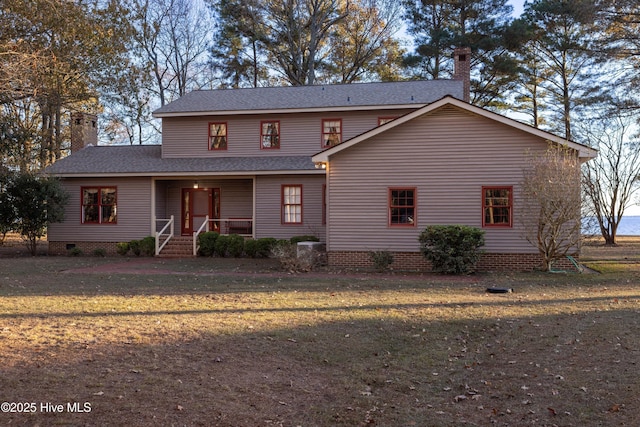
[
  {"x": 355, "y": 96},
  {"x": 146, "y": 160},
  {"x": 585, "y": 152}
]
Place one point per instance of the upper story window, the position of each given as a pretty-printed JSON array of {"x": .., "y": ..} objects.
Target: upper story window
[
  {"x": 217, "y": 136},
  {"x": 497, "y": 206},
  {"x": 99, "y": 205},
  {"x": 402, "y": 207},
  {"x": 292, "y": 204},
  {"x": 270, "y": 134},
  {"x": 331, "y": 132}
]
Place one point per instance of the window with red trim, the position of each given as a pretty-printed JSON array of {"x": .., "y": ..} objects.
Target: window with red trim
[
  {"x": 292, "y": 204},
  {"x": 217, "y": 136},
  {"x": 270, "y": 134},
  {"x": 99, "y": 205},
  {"x": 331, "y": 132},
  {"x": 497, "y": 206},
  {"x": 402, "y": 207}
]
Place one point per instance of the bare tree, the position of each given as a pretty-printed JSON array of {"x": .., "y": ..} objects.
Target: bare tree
[
  {"x": 174, "y": 36},
  {"x": 296, "y": 35},
  {"x": 611, "y": 180},
  {"x": 363, "y": 45},
  {"x": 53, "y": 55},
  {"x": 551, "y": 204}
]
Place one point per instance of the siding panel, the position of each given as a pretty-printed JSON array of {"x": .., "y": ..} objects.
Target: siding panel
[
  {"x": 447, "y": 156},
  {"x": 300, "y": 134},
  {"x": 268, "y": 207},
  {"x": 134, "y": 212}
]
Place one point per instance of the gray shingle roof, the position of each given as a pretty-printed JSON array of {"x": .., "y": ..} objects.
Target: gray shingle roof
[
  {"x": 311, "y": 97},
  {"x": 146, "y": 160}
]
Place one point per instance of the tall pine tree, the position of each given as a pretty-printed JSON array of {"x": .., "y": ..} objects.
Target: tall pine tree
[{"x": 439, "y": 26}]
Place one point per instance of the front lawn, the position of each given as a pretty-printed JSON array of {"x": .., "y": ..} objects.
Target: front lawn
[{"x": 193, "y": 343}]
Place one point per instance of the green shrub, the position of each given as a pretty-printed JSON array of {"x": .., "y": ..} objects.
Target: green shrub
[
  {"x": 381, "y": 260},
  {"x": 75, "y": 251},
  {"x": 264, "y": 246},
  {"x": 259, "y": 248},
  {"x": 134, "y": 246},
  {"x": 452, "y": 249},
  {"x": 221, "y": 245},
  {"x": 148, "y": 246},
  {"x": 236, "y": 245},
  {"x": 297, "y": 239},
  {"x": 251, "y": 248},
  {"x": 207, "y": 242},
  {"x": 101, "y": 252},
  {"x": 122, "y": 248}
]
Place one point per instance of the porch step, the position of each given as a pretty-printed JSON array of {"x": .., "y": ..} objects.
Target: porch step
[{"x": 178, "y": 247}]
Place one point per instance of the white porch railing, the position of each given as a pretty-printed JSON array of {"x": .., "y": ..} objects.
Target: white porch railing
[
  {"x": 163, "y": 232},
  {"x": 203, "y": 227}
]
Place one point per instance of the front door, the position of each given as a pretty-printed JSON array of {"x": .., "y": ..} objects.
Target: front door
[{"x": 197, "y": 203}]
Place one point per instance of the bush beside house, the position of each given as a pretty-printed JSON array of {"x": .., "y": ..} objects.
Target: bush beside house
[{"x": 452, "y": 249}]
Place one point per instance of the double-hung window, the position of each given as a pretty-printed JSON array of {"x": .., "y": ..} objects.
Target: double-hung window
[
  {"x": 402, "y": 207},
  {"x": 331, "y": 132},
  {"x": 270, "y": 134},
  {"x": 292, "y": 204},
  {"x": 217, "y": 136},
  {"x": 99, "y": 205},
  {"x": 497, "y": 206}
]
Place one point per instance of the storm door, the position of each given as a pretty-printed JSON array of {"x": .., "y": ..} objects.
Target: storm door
[{"x": 197, "y": 203}]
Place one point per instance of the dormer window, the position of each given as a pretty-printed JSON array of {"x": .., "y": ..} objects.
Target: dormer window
[
  {"x": 331, "y": 132},
  {"x": 270, "y": 135},
  {"x": 217, "y": 136}
]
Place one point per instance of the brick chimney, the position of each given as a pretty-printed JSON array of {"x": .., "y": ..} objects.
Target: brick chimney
[
  {"x": 84, "y": 130},
  {"x": 462, "y": 70}
]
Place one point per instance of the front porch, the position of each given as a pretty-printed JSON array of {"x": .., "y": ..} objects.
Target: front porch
[{"x": 185, "y": 208}]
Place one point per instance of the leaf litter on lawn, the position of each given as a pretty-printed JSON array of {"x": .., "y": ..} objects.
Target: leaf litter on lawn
[{"x": 320, "y": 350}]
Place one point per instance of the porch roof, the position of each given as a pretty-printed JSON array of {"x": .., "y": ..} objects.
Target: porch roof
[{"x": 146, "y": 160}]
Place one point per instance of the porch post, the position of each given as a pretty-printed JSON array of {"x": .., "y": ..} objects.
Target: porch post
[
  {"x": 253, "y": 214},
  {"x": 153, "y": 206}
]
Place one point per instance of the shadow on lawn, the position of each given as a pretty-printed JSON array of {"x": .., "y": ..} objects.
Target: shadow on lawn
[{"x": 539, "y": 370}]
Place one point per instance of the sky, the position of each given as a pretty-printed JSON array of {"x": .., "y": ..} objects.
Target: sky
[{"x": 517, "y": 6}]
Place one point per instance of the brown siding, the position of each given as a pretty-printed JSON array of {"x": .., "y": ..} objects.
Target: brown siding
[
  {"x": 447, "y": 156},
  {"x": 134, "y": 212},
  {"x": 268, "y": 207},
  {"x": 300, "y": 134}
]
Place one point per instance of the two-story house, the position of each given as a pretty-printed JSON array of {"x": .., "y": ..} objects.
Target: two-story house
[{"x": 363, "y": 167}]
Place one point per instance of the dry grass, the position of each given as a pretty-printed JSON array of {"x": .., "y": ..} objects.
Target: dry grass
[{"x": 204, "y": 342}]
